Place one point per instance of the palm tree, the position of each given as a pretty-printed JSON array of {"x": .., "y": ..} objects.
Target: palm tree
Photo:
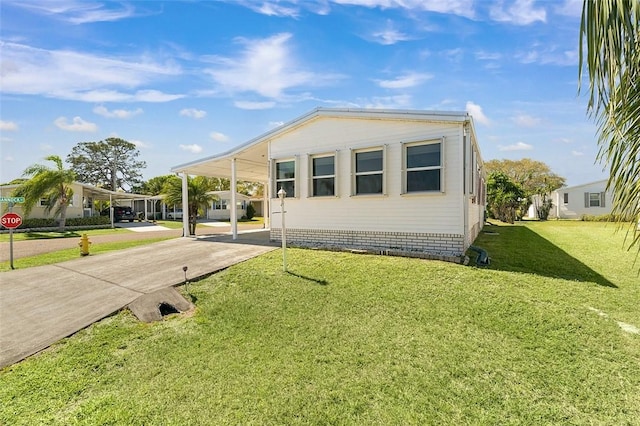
[
  {"x": 199, "y": 197},
  {"x": 51, "y": 184},
  {"x": 610, "y": 33}
]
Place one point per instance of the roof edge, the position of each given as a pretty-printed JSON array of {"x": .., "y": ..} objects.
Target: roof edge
[{"x": 450, "y": 116}]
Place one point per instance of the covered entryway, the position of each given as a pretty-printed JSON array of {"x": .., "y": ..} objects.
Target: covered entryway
[{"x": 248, "y": 162}]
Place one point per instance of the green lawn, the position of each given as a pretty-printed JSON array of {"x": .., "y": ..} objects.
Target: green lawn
[
  {"x": 73, "y": 253},
  {"x": 536, "y": 338}
]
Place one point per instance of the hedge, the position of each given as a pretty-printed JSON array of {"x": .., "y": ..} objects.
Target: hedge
[{"x": 31, "y": 223}]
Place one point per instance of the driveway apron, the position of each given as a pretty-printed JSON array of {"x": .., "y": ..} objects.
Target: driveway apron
[{"x": 41, "y": 305}]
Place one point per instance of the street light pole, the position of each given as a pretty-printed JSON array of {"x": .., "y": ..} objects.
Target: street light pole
[{"x": 282, "y": 194}]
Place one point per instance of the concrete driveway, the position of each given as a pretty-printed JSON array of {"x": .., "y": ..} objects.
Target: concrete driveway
[{"x": 41, "y": 305}]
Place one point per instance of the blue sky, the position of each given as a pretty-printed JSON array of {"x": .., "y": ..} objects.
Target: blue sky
[{"x": 188, "y": 79}]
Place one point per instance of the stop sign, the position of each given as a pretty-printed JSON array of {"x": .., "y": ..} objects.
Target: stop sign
[{"x": 11, "y": 220}]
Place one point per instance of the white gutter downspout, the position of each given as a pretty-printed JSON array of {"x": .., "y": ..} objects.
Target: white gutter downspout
[
  {"x": 265, "y": 206},
  {"x": 234, "y": 206},
  {"x": 185, "y": 205}
]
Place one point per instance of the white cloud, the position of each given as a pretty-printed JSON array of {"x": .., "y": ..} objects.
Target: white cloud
[
  {"x": 116, "y": 113},
  {"x": 46, "y": 147},
  {"x": 79, "y": 12},
  {"x": 405, "y": 81},
  {"x": 389, "y": 36},
  {"x": 254, "y": 105},
  {"x": 9, "y": 159},
  {"x": 193, "y": 113},
  {"x": 571, "y": 8},
  {"x": 77, "y": 125},
  {"x": 265, "y": 66},
  {"x": 488, "y": 56},
  {"x": 457, "y": 7},
  {"x": 475, "y": 111},
  {"x": 218, "y": 137},
  {"x": 454, "y": 55},
  {"x": 81, "y": 76},
  {"x": 520, "y": 146},
  {"x": 8, "y": 126},
  {"x": 577, "y": 153},
  {"x": 525, "y": 120},
  {"x": 274, "y": 124},
  {"x": 389, "y": 102},
  {"x": 520, "y": 12},
  {"x": 271, "y": 8},
  {"x": 193, "y": 148},
  {"x": 140, "y": 144}
]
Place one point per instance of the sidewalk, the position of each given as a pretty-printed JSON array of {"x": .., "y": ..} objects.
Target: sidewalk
[{"x": 41, "y": 305}]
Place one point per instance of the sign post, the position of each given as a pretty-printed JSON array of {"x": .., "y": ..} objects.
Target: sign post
[{"x": 11, "y": 221}]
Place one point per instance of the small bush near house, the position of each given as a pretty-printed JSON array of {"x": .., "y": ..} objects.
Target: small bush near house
[
  {"x": 251, "y": 211},
  {"x": 33, "y": 223},
  {"x": 88, "y": 221}
]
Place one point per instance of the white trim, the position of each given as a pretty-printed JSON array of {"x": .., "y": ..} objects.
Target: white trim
[
  {"x": 406, "y": 170},
  {"x": 312, "y": 177},
  {"x": 355, "y": 174}
]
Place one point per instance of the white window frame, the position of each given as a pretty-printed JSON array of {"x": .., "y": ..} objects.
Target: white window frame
[
  {"x": 441, "y": 167},
  {"x": 334, "y": 176},
  {"x": 296, "y": 173},
  {"x": 354, "y": 174},
  {"x": 593, "y": 197}
]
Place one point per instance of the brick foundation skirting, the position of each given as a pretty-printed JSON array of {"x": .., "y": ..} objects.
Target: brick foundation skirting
[{"x": 448, "y": 247}]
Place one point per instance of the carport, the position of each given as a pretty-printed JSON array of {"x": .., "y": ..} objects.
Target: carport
[
  {"x": 248, "y": 162},
  {"x": 112, "y": 196}
]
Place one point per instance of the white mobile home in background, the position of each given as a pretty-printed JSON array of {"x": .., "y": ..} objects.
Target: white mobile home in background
[
  {"x": 572, "y": 202},
  {"x": 384, "y": 180}
]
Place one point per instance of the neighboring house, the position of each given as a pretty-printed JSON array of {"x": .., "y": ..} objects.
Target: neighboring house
[
  {"x": 572, "y": 202},
  {"x": 391, "y": 181},
  {"x": 82, "y": 203},
  {"x": 221, "y": 209}
]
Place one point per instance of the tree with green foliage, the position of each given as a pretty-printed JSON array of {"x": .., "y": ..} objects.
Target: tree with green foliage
[
  {"x": 610, "y": 34},
  {"x": 51, "y": 184},
  {"x": 504, "y": 197},
  {"x": 157, "y": 185},
  {"x": 110, "y": 164},
  {"x": 199, "y": 197},
  {"x": 535, "y": 178}
]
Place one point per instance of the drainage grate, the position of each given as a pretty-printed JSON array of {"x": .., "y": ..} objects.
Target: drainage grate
[{"x": 167, "y": 309}]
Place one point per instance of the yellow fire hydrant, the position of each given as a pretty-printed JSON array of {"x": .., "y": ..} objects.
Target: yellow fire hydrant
[{"x": 84, "y": 245}]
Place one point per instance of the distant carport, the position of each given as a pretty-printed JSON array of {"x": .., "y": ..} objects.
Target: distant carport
[{"x": 112, "y": 196}]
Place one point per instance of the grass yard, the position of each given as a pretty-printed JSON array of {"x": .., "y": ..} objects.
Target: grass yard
[
  {"x": 545, "y": 335},
  {"x": 69, "y": 254}
]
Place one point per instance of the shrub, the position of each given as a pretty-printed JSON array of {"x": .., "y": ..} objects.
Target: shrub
[
  {"x": 603, "y": 218},
  {"x": 251, "y": 211},
  {"x": 33, "y": 223}
]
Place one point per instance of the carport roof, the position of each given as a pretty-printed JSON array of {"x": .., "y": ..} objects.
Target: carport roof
[
  {"x": 105, "y": 194},
  {"x": 252, "y": 156}
]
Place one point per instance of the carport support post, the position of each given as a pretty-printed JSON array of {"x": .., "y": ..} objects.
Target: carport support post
[
  {"x": 185, "y": 205},
  {"x": 234, "y": 204},
  {"x": 111, "y": 210}
]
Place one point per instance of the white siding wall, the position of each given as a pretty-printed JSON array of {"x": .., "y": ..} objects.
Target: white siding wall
[
  {"x": 440, "y": 213},
  {"x": 38, "y": 212},
  {"x": 575, "y": 208}
]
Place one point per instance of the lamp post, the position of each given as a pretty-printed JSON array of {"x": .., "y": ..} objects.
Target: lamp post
[{"x": 282, "y": 194}]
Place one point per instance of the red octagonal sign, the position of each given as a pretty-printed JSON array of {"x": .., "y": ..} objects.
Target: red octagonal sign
[{"x": 11, "y": 220}]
